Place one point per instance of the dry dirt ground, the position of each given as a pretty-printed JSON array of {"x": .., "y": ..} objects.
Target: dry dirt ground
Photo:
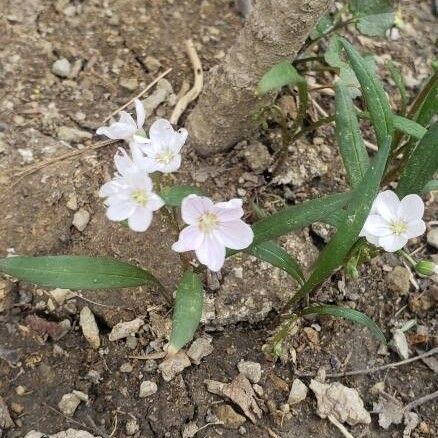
[{"x": 110, "y": 45}]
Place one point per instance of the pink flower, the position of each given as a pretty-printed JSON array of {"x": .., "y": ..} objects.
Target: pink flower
[{"x": 212, "y": 228}]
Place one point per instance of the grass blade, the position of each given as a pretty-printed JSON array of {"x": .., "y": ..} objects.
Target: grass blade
[
  {"x": 351, "y": 144},
  {"x": 350, "y": 314},
  {"x": 431, "y": 186},
  {"x": 422, "y": 164},
  {"x": 188, "y": 311},
  {"x": 77, "y": 272},
  {"x": 409, "y": 127},
  {"x": 400, "y": 84},
  {"x": 373, "y": 93},
  {"x": 275, "y": 255}
]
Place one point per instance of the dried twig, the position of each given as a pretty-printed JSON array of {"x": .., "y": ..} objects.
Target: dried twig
[
  {"x": 340, "y": 426},
  {"x": 161, "y": 76},
  {"x": 415, "y": 403},
  {"x": 194, "y": 92},
  {"x": 374, "y": 369}
]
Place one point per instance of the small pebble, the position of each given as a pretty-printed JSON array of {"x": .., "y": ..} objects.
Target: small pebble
[
  {"x": 132, "y": 427},
  {"x": 69, "y": 404},
  {"x": 432, "y": 237},
  {"x": 150, "y": 366},
  {"x": 174, "y": 365},
  {"x": 251, "y": 370},
  {"x": 81, "y": 219},
  {"x": 298, "y": 392},
  {"x": 200, "y": 348},
  {"x": 89, "y": 327},
  {"x": 147, "y": 388},
  {"x": 126, "y": 368},
  {"x": 61, "y": 68}
]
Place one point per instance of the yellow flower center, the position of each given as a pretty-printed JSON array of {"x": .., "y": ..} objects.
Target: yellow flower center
[
  {"x": 165, "y": 157},
  {"x": 399, "y": 227},
  {"x": 140, "y": 197},
  {"x": 207, "y": 222}
]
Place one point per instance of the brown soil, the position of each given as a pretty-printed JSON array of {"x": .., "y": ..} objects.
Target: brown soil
[{"x": 113, "y": 40}]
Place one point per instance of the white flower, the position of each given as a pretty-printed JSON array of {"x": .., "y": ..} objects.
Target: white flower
[
  {"x": 126, "y": 127},
  {"x": 392, "y": 222},
  {"x": 163, "y": 147},
  {"x": 130, "y": 196},
  {"x": 212, "y": 228},
  {"x": 126, "y": 165}
]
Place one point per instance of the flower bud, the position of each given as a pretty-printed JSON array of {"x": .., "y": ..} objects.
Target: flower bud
[{"x": 425, "y": 267}]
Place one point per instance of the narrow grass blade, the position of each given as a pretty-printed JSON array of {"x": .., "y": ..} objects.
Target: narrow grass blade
[
  {"x": 351, "y": 144},
  {"x": 187, "y": 313},
  {"x": 373, "y": 93},
  {"x": 77, "y": 272},
  {"x": 422, "y": 164},
  {"x": 400, "y": 84},
  {"x": 431, "y": 186},
  {"x": 344, "y": 312},
  {"x": 275, "y": 255}
]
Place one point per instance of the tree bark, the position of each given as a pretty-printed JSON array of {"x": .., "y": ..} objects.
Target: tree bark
[{"x": 275, "y": 31}]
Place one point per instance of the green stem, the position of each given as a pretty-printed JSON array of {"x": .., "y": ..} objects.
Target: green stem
[{"x": 408, "y": 257}]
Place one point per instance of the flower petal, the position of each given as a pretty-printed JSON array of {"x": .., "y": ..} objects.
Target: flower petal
[
  {"x": 377, "y": 226},
  {"x": 140, "y": 219},
  {"x": 386, "y": 204},
  {"x": 235, "y": 234},
  {"x": 139, "y": 110},
  {"x": 392, "y": 242},
  {"x": 190, "y": 238},
  {"x": 108, "y": 189},
  {"x": 161, "y": 133},
  {"x": 211, "y": 253},
  {"x": 155, "y": 202},
  {"x": 178, "y": 139},
  {"x": 193, "y": 206},
  {"x": 119, "y": 211},
  {"x": 123, "y": 162},
  {"x": 415, "y": 228},
  {"x": 170, "y": 167},
  {"x": 411, "y": 208},
  {"x": 374, "y": 240},
  {"x": 127, "y": 119},
  {"x": 229, "y": 211},
  {"x": 116, "y": 131}
]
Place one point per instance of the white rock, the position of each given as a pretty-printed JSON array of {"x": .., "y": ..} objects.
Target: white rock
[
  {"x": 251, "y": 370},
  {"x": 432, "y": 237},
  {"x": 298, "y": 392},
  {"x": 26, "y": 155},
  {"x": 399, "y": 344},
  {"x": 147, "y": 388},
  {"x": 61, "y": 68},
  {"x": 200, "y": 348},
  {"x": 130, "y": 84},
  {"x": 34, "y": 434},
  {"x": 89, "y": 327},
  {"x": 69, "y": 404},
  {"x": 174, "y": 365},
  {"x": 74, "y": 135},
  {"x": 81, "y": 219},
  {"x": 124, "y": 329},
  {"x": 132, "y": 427},
  {"x": 61, "y": 295}
]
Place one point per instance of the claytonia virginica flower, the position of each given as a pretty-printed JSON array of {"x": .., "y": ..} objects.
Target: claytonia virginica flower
[
  {"x": 126, "y": 127},
  {"x": 163, "y": 147},
  {"x": 130, "y": 196},
  {"x": 126, "y": 165},
  {"x": 392, "y": 222},
  {"x": 212, "y": 228}
]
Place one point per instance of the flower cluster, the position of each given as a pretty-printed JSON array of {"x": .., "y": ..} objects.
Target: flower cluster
[
  {"x": 391, "y": 222},
  {"x": 130, "y": 195}
]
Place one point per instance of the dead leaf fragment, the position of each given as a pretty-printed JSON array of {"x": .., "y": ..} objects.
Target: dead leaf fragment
[
  {"x": 390, "y": 410},
  {"x": 341, "y": 402},
  {"x": 43, "y": 327},
  {"x": 5, "y": 419},
  {"x": 240, "y": 392}
]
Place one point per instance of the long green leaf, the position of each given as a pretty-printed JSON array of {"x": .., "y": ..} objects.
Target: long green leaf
[
  {"x": 278, "y": 76},
  {"x": 375, "y": 17},
  {"x": 173, "y": 196},
  {"x": 344, "y": 312},
  {"x": 274, "y": 254},
  {"x": 188, "y": 311},
  {"x": 400, "y": 84},
  {"x": 76, "y": 272},
  {"x": 431, "y": 186},
  {"x": 351, "y": 144},
  {"x": 409, "y": 127},
  {"x": 422, "y": 164},
  {"x": 335, "y": 252},
  {"x": 299, "y": 216},
  {"x": 373, "y": 93}
]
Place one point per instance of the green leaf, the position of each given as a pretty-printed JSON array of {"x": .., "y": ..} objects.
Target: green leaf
[
  {"x": 187, "y": 313},
  {"x": 373, "y": 93},
  {"x": 431, "y": 186},
  {"x": 351, "y": 144},
  {"x": 335, "y": 252},
  {"x": 275, "y": 255},
  {"x": 173, "y": 196},
  {"x": 77, "y": 272},
  {"x": 422, "y": 164},
  {"x": 344, "y": 312},
  {"x": 375, "y": 17},
  {"x": 298, "y": 216},
  {"x": 278, "y": 76},
  {"x": 409, "y": 127},
  {"x": 324, "y": 25},
  {"x": 426, "y": 103},
  {"x": 400, "y": 84}
]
